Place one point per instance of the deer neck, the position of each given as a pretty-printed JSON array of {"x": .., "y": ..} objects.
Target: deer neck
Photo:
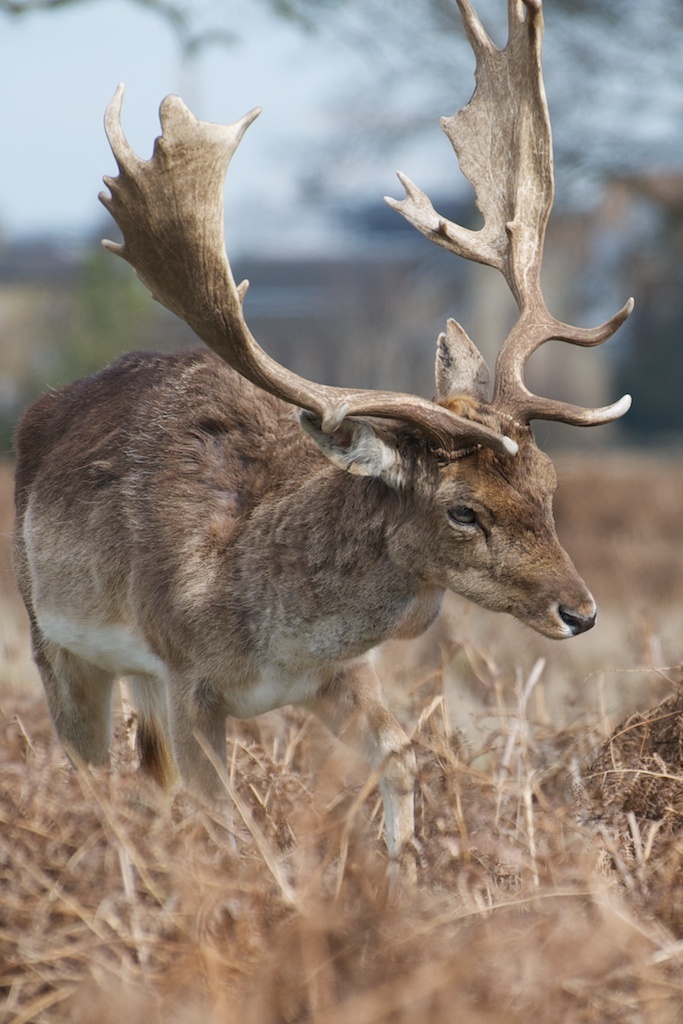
[{"x": 336, "y": 586}]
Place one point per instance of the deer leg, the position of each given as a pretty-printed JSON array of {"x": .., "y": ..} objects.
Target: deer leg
[
  {"x": 352, "y": 707},
  {"x": 79, "y": 700},
  {"x": 197, "y": 723}
]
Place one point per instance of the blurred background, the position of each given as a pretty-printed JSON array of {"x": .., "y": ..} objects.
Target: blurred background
[{"x": 342, "y": 289}]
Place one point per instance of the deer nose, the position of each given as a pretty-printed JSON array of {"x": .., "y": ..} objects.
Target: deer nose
[{"x": 577, "y": 623}]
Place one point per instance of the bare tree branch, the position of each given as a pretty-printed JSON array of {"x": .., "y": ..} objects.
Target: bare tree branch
[
  {"x": 180, "y": 18},
  {"x": 19, "y": 7}
]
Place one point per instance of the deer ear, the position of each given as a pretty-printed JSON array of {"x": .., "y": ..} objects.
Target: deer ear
[
  {"x": 356, "y": 448},
  {"x": 460, "y": 367}
]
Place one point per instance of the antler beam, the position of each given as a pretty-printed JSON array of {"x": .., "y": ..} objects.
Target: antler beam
[{"x": 170, "y": 212}]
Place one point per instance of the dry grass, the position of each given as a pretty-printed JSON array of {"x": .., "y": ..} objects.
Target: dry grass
[{"x": 549, "y": 878}]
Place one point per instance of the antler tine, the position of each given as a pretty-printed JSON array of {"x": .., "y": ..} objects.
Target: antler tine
[
  {"x": 511, "y": 395},
  {"x": 170, "y": 212},
  {"x": 474, "y": 30},
  {"x": 503, "y": 142}
]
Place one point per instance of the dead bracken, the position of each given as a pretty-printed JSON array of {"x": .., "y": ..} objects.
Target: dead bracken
[
  {"x": 115, "y": 901},
  {"x": 536, "y": 898}
]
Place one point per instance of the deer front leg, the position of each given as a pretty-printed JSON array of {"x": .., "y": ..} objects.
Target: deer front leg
[
  {"x": 352, "y": 707},
  {"x": 197, "y": 721}
]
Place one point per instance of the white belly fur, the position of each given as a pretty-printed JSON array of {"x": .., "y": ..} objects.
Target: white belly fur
[
  {"x": 114, "y": 648},
  {"x": 274, "y": 687}
]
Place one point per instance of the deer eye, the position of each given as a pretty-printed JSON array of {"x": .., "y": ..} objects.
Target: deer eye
[{"x": 462, "y": 515}]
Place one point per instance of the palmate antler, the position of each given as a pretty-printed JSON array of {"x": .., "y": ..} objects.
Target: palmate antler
[
  {"x": 503, "y": 142},
  {"x": 170, "y": 212}
]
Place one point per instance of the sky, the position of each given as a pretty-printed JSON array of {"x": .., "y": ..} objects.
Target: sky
[{"x": 59, "y": 69}]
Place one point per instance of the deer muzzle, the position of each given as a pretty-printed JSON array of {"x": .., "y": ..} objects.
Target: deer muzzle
[{"x": 578, "y": 620}]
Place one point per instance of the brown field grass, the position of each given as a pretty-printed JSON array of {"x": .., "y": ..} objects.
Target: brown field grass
[{"x": 549, "y": 816}]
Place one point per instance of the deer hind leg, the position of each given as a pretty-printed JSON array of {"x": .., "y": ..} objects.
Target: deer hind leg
[
  {"x": 352, "y": 707},
  {"x": 79, "y": 698},
  {"x": 152, "y": 733}
]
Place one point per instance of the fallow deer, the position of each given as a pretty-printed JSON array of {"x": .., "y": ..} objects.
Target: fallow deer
[{"x": 233, "y": 538}]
